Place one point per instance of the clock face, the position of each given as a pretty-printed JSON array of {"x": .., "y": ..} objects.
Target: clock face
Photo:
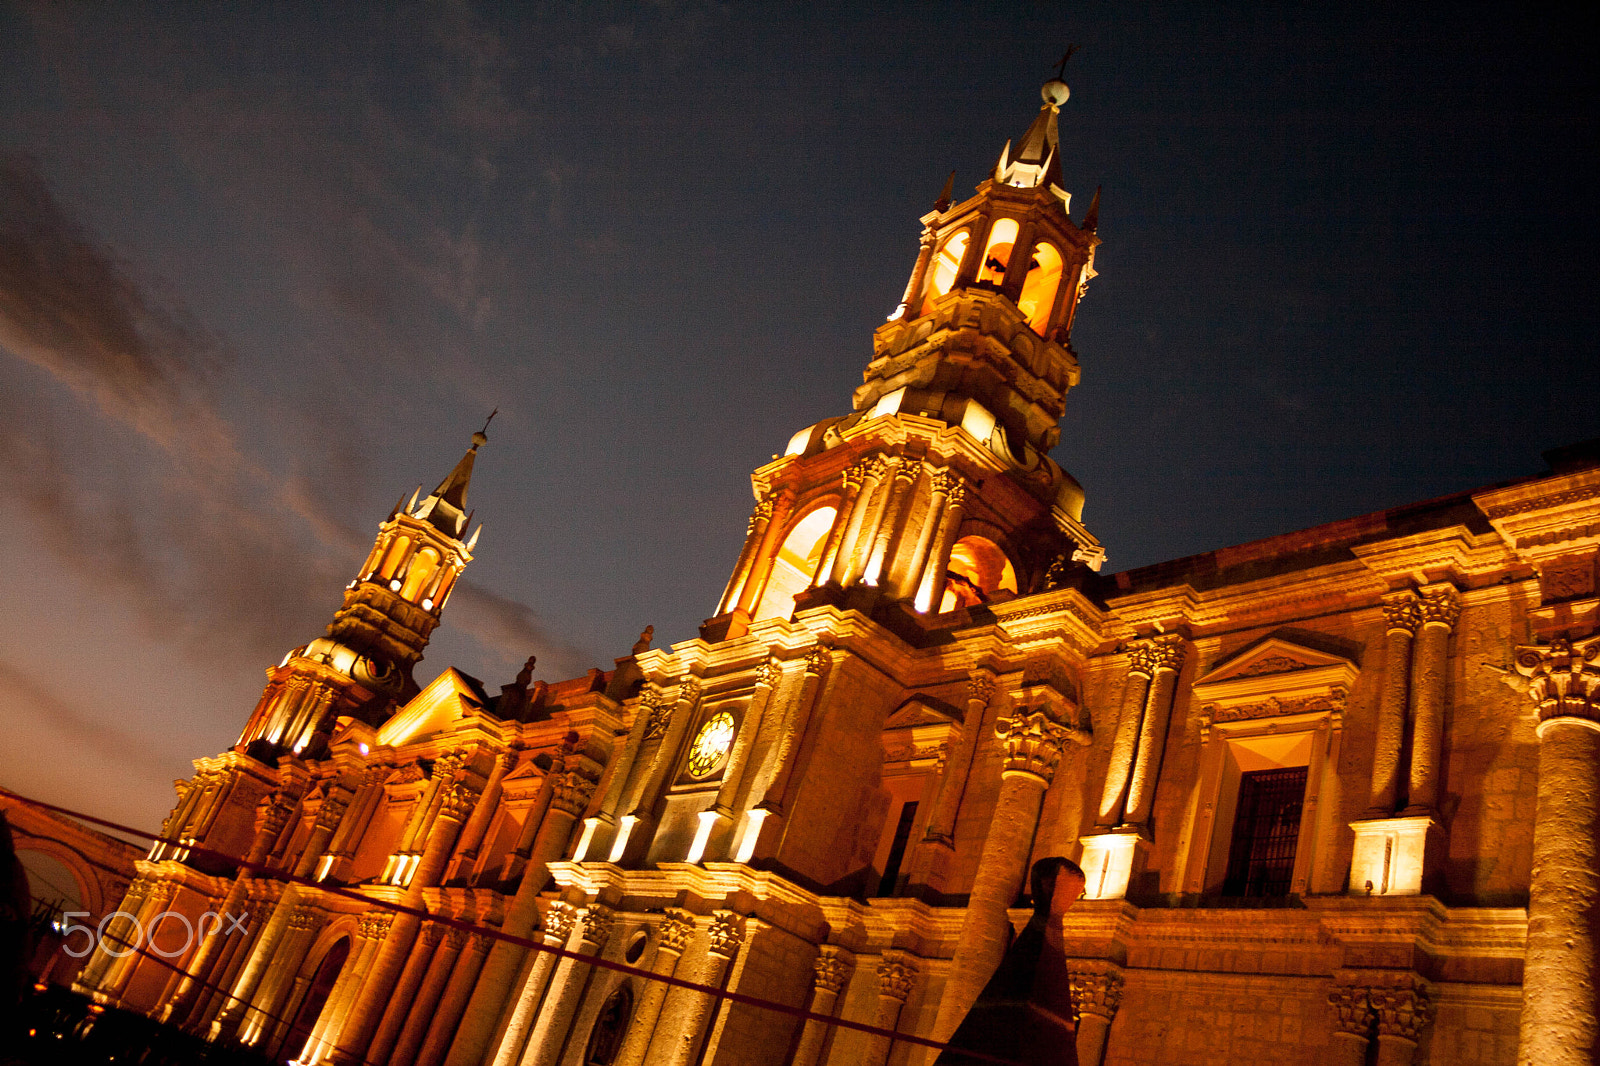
[{"x": 711, "y": 744}]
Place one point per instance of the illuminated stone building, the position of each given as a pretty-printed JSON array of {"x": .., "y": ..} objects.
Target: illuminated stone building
[{"x": 1335, "y": 791}]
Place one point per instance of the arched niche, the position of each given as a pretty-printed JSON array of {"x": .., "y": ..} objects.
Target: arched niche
[
  {"x": 997, "y": 253},
  {"x": 1038, "y": 297},
  {"x": 315, "y": 1000},
  {"x": 796, "y": 562},
  {"x": 944, "y": 268},
  {"x": 978, "y": 570}
]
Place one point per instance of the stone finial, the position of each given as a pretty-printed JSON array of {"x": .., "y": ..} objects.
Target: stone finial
[
  {"x": 727, "y": 933},
  {"x": 1095, "y": 990},
  {"x": 897, "y": 975},
  {"x": 832, "y": 968},
  {"x": 1033, "y": 744},
  {"x": 677, "y": 929},
  {"x": 1352, "y": 1011},
  {"x": 1439, "y": 607},
  {"x": 643, "y": 643},
  {"x": 559, "y": 921},
  {"x": 598, "y": 920},
  {"x": 1402, "y": 1012},
  {"x": 1400, "y": 613},
  {"x": 1563, "y": 679}
]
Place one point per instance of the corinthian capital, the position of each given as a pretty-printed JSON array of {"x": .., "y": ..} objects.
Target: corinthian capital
[
  {"x": 571, "y": 794},
  {"x": 1563, "y": 679},
  {"x": 1095, "y": 990},
  {"x": 1402, "y": 1012},
  {"x": 832, "y": 968},
  {"x": 1352, "y": 1013},
  {"x": 677, "y": 929},
  {"x": 980, "y": 687},
  {"x": 1400, "y": 614},
  {"x": 1033, "y": 744},
  {"x": 761, "y": 514},
  {"x": 1440, "y": 607},
  {"x": 559, "y": 921},
  {"x": 769, "y": 673},
  {"x": 727, "y": 933},
  {"x": 1165, "y": 652},
  {"x": 897, "y": 975},
  {"x": 597, "y": 922}
]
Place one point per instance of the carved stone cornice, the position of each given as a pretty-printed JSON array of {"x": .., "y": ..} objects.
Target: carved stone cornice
[
  {"x": 727, "y": 933},
  {"x": 676, "y": 930},
  {"x": 1563, "y": 680},
  {"x": 897, "y": 975},
  {"x": 1033, "y": 744},
  {"x": 832, "y": 968}
]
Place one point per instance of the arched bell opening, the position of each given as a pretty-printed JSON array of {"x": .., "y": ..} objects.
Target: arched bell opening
[
  {"x": 1038, "y": 299},
  {"x": 796, "y": 562},
  {"x": 944, "y": 268},
  {"x": 997, "y": 253},
  {"x": 978, "y": 571}
]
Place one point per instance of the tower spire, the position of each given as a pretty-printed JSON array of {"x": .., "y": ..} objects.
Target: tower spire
[
  {"x": 445, "y": 508},
  {"x": 1036, "y": 159}
]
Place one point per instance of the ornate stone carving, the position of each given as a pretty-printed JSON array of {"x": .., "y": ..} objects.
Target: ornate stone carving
[
  {"x": 272, "y": 813},
  {"x": 658, "y": 708},
  {"x": 1400, "y": 614},
  {"x": 454, "y": 938},
  {"x": 598, "y": 920},
  {"x": 769, "y": 673},
  {"x": 1563, "y": 678},
  {"x": 980, "y": 687},
  {"x": 689, "y": 691},
  {"x": 1439, "y": 607},
  {"x": 431, "y": 933},
  {"x": 727, "y": 933},
  {"x": 819, "y": 658},
  {"x": 1402, "y": 1012},
  {"x": 405, "y": 775},
  {"x": 1272, "y": 664},
  {"x": 832, "y": 968},
  {"x": 1352, "y": 1013},
  {"x": 305, "y": 917},
  {"x": 330, "y": 812},
  {"x": 1095, "y": 991},
  {"x": 375, "y": 925},
  {"x": 1033, "y": 744},
  {"x": 853, "y": 477},
  {"x": 571, "y": 792},
  {"x": 677, "y": 929},
  {"x": 897, "y": 975},
  {"x": 879, "y": 467},
  {"x": 761, "y": 514},
  {"x": 1274, "y": 707},
  {"x": 458, "y": 803},
  {"x": 559, "y": 921}
]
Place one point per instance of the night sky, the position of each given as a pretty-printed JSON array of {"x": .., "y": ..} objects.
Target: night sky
[{"x": 265, "y": 267}]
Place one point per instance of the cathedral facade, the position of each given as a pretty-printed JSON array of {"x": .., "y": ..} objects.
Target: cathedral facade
[{"x": 1336, "y": 793}]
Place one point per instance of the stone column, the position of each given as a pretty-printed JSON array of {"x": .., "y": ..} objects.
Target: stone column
[
  {"x": 953, "y": 782},
  {"x": 1401, "y": 617},
  {"x": 414, "y": 1012},
  {"x": 713, "y": 838},
  {"x": 755, "y": 530},
  {"x": 1402, "y": 1014},
  {"x": 665, "y": 761},
  {"x": 726, "y": 934},
  {"x": 116, "y": 932},
  {"x": 848, "y": 503},
  {"x": 356, "y": 1036},
  {"x": 851, "y": 562},
  {"x": 885, "y": 541},
  {"x": 1141, "y": 668},
  {"x": 797, "y": 715},
  {"x": 911, "y": 576},
  {"x": 767, "y": 554},
  {"x": 271, "y": 815},
  {"x": 1033, "y": 746},
  {"x": 566, "y": 988},
  {"x": 1352, "y": 1026},
  {"x": 1167, "y": 658},
  {"x": 442, "y": 1029},
  {"x": 370, "y": 931},
  {"x": 257, "y": 912},
  {"x": 559, "y": 923},
  {"x": 897, "y": 975},
  {"x": 275, "y": 988},
  {"x": 1439, "y": 608},
  {"x": 832, "y": 970},
  {"x": 930, "y": 590},
  {"x": 673, "y": 937},
  {"x": 477, "y": 826},
  {"x": 121, "y": 969},
  {"x": 567, "y": 796},
  {"x": 919, "y": 272},
  {"x": 1559, "y": 1004},
  {"x": 1096, "y": 994}
]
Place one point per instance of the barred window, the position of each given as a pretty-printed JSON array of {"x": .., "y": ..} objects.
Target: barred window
[{"x": 1266, "y": 828}]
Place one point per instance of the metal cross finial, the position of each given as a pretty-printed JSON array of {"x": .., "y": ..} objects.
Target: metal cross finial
[
  {"x": 486, "y": 421},
  {"x": 1061, "y": 68}
]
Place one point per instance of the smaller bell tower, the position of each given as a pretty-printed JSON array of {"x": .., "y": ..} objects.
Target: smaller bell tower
[
  {"x": 937, "y": 492},
  {"x": 362, "y": 666}
]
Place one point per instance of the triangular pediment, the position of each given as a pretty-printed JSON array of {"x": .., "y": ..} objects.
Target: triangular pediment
[
  {"x": 448, "y": 698},
  {"x": 920, "y": 711},
  {"x": 1275, "y": 666}
]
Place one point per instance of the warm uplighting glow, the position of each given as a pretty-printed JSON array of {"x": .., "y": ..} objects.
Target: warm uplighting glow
[
  {"x": 978, "y": 570},
  {"x": 752, "y": 833},
  {"x": 997, "y": 255},
  {"x": 942, "y": 271},
  {"x": 392, "y": 557},
  {"x": 1039, "y": 290},
  {"x": 702, "y": 834},
  {"x": 619, "y": 847},
  {"x": 423, "y": 566},
  {"x": 797, "y": 561}
]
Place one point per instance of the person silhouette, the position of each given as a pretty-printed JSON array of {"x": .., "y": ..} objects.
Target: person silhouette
[{"x": 1024, "y": 1013}]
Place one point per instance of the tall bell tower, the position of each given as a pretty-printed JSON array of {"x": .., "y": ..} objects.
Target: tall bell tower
[
  {"x": 362, "y": 666},
  {"x": 937, "y": 492}
]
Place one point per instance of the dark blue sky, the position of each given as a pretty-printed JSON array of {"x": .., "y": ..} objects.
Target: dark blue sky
[{"x": 263, "y": 268}]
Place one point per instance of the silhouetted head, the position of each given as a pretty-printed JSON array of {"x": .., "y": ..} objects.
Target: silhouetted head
[{"x": 1047, "y": 875}]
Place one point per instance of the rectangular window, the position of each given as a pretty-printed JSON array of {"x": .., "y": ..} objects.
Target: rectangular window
[
  {"x": 897, "y": 850},
  {"x": 1266, "y": 827}
]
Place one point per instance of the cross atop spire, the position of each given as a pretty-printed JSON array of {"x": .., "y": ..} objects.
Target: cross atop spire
[{"x": 1037, "y": 159}]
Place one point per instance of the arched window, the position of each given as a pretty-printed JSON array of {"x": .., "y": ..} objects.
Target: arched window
[
  {"x": 420, "y": 574},
  {"x": 392, "y": 558},
  {"x": 997, "y": 254},
  {"x": 942, "y": 271},
  {"x": 1039, "y": 290},
  {"x": 609, "y": 1029},
  {"x": 796, "y": 563},
  {"x": 978, "y": 569}
]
